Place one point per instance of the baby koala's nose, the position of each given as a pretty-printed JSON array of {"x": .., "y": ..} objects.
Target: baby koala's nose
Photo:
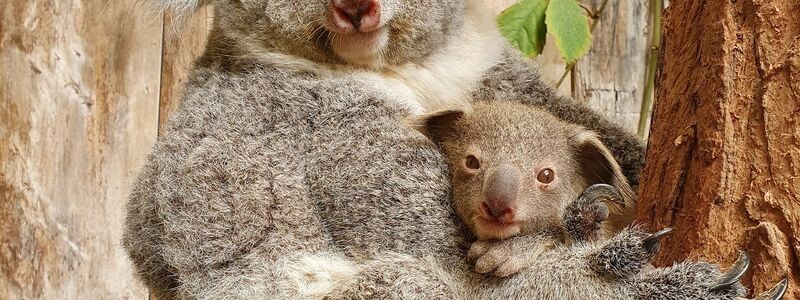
[
  {"x": 500, "y": 193},
  {"x": 498, "y": 210},
  {"x": 356, "y": 15}
]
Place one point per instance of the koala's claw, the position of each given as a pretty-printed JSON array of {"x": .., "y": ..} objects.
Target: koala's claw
[
  {"x": 701, "y": 280},
  {"x": 653, "y": 242},
  {"x": 584, "y": 217},
  {"x": 776, "y": 292},
  {"x": 735, "y": 273}
]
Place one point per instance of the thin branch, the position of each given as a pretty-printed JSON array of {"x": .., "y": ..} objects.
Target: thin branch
[
  {"x": 569, "y": 69},
  {"x": 588, "y": 11},
  {"x": 598, "y": 14},
  {"x": 656, "y": 8}
]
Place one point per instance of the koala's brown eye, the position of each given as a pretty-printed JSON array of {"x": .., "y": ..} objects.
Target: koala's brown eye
[
  {"x": 472, "y": 162},
  {"x": 546, "y": 176}
]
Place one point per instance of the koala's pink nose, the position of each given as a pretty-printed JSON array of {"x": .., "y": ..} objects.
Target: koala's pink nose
[
  {"x": 356, "y": 15},
  {"x": 498, "y": 210},
  {"x": 500, "y": 193}
]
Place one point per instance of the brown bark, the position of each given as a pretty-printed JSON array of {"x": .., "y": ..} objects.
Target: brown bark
[
  {"x": 723, "y": 163},
  {"x": 84, "y": 87}
]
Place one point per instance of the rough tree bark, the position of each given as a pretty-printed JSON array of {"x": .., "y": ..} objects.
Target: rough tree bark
[{"x": 723, "y": 164}]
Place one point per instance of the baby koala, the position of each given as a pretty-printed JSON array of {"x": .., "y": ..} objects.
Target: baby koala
[{"x": 519, "y": 174}]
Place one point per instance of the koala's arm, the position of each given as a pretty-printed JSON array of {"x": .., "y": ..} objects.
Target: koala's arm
[
  {"x": 399, "y": 276},
  {"x": 218, "y": 184},
  {"x": 515, "y": 78},
  {"x": 612, "y": 269}
]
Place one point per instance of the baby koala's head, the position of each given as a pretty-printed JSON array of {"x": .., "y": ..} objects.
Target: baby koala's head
[{"x": 515, "y": 168}]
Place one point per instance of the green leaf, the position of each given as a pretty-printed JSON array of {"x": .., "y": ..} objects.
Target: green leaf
[
  {"x": 523, "y": 25},
  {"x": 566, "y": 22}
]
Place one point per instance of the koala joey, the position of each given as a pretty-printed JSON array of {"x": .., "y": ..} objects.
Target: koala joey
[
  {"x": 515, "y": 168},
  {"x": 518, "y": 170}
]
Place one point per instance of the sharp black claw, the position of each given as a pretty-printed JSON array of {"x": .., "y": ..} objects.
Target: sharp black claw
[
  {"x": 776, "y": 292},
  {"x": 604, "y": 191},
  {"x": 651, "y": 243},
  {"x": 735, "y": 273}
]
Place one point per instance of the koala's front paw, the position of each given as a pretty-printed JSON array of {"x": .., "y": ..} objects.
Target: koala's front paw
[
  {"x": 626, "y": 253},
  {"x": 700, "y": 280},
  {"x": 584, "y": 217},
  {"x": 506, "y": 257}
]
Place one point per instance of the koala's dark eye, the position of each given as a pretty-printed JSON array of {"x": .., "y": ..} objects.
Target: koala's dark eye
[
  {"x": 546, "y": 176},
  {"x": 472, "y": 162}
]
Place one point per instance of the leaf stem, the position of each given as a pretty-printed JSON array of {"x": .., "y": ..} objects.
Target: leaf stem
[
  {"x": 656, "y": 8},
  {"x": 569, "y": 69},
  {"x": 588, "y": 11},
  {"x": 595, "y": 19}
]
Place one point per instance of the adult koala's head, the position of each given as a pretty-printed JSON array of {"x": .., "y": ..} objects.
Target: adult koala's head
[{"x": 359, "y": 32}]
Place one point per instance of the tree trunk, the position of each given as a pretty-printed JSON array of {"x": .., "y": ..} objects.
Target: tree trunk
[{"x": 723, "y": 163}]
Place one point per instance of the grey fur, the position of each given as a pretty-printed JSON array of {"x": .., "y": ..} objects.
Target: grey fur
[
  {"x": 269, "y": 181},
  {"x": 624, "y": 256},
  {"x": 584, "y": 217},
  {"x": 294, "y": 27}
]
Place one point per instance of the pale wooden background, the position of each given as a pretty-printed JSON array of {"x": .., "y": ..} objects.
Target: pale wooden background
[{"x": 85, "y": 86}]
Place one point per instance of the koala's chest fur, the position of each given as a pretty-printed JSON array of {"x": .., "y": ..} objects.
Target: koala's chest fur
[{"x": 444, "y": 80}]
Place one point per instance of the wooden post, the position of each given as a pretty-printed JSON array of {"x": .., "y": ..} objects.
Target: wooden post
[
  {"x": 79, "y": 85},
  {"x": 610, "y": 78}
]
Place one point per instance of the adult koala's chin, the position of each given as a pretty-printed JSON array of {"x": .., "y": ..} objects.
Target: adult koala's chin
[
  {"x": 364, "y": 33},
  {"x": 287, "y": 173}
]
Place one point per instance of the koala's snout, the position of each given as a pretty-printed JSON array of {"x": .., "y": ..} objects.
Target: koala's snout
[
  {"x": 500, "y": 193},
  {"x": 356, "y": 15}
]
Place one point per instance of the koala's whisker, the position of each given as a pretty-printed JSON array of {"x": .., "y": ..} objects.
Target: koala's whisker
[{"x": 318, "y": 32}]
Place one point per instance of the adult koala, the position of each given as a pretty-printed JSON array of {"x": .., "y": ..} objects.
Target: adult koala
[{"x": 287, "y": 172}]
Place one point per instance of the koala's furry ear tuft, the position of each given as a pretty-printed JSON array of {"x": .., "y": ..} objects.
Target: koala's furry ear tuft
[
  {"x": 438, "y": 125},
  {"x": 598, "y": 165},
  {"x": 180, "y": 9}
]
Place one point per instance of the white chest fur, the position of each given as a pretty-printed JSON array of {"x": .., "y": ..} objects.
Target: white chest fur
[
  {"x": 447, "y": 78},
  {"x": 444, "y": 80}
]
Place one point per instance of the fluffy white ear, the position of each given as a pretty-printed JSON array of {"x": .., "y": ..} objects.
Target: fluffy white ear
[{"x": 180, "y": 9}]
